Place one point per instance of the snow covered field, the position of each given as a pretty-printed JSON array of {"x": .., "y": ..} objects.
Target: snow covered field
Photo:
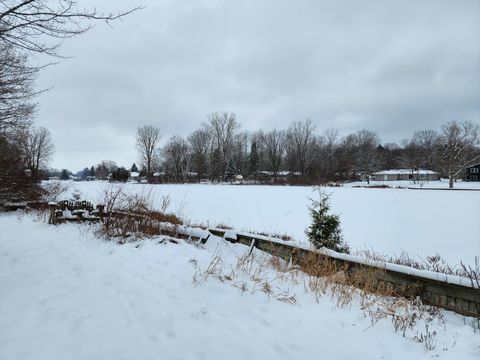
[
  {"x": 68, "y": 295},
  {"x": 388, "y": 221}
]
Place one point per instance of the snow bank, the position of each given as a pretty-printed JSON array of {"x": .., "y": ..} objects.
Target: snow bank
[{"x": 66, "y": 295}]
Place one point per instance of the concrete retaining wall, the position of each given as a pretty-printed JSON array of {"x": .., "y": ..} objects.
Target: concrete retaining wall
[{"x": 464, "y": 300}]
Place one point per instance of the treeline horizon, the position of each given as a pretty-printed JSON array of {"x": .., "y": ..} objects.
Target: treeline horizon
[{"x": 218, "y": 149}]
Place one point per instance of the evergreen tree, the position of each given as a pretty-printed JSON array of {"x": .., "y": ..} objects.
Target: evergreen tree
[
  {"x": 121, "y": 174},
  {"x": 253, "y": 166},
  {"x": 134, "y": 168},
  {"x": 230, "y": 170},
  {"x": 92, "y": 171},
  {"x": 85, "y": 173},
  {"x": 325, "y": 229},
  {"x": 65, "y": 175}
]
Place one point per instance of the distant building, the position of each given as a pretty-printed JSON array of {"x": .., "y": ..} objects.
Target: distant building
[
  {"x": 406, "y": 174},
  {"x": 133, "y": 176},
  {"x": 472, "y": 173},
  {"x": 236, "y": 179},
  {"x": 281, "y": 173}
]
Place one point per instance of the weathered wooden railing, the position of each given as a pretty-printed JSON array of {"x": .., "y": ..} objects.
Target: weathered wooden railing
[
  {"x": 85, "y": 211},
  {"x": 76, "y": 211}
]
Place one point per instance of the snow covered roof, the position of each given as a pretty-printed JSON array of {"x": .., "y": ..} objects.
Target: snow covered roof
[
  {"x": 280, "y": 173},
  {"x": 134, "y": 174},
  {"x": 473, "y": 165},
  {"x": 405, "y": 172}
]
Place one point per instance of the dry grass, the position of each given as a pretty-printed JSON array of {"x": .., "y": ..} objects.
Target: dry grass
[
  {"x": 433, "y": 263},
  {"x": 131, "y": 216},
  {"x": 223, "y": 226},
  {"x": 322, "y": 277},
  {"x": 284, "y": 237}
]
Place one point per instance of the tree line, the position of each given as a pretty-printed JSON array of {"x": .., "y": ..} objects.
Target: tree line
[{"x": 219, "y": 149}]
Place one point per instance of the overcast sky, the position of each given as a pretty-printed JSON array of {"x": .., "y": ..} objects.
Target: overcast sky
[{"x": 388, "y": 66}]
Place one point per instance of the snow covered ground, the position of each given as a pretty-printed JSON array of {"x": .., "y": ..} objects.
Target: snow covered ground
[
  {"x": 388, "y": 221},
  {"x": 68, "y": 295}
]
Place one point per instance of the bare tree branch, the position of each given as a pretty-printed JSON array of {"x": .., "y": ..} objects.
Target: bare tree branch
[{"x": 26, "y": 25}]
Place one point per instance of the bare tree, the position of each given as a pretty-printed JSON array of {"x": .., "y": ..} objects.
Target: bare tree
[
  {"x": 345, "y": 157},
  {"x": 411, "y": 157},
  {"x": 428, "y": 143},
  {"x": 148, "y": 138},
  {"x": 30, "y": 27},
  {"x": 459, "y": 148},
  {"x": 16, "y": 81},
  {"x": 390, "y": 153},
  {"x": 259, "y": 138},
  {"x": 27, "y": 27},
  {"x": 367, "y": 158},
  {"x": 31, "y": 24},
  {"x": 105, "y": 168},
  {"x": 239, "y": 152},
  {"x": 199, "y": 144},
  {"x": 39, "y": 149},
  {"x": 10, "y": 167},
  {"x": 302, "y": 137},
  {"x": 223, "y": 127},
  {"x": 275, "y": 149},
  {"x": 176, "y": 158},
  {"x": 328, "y": 146}
]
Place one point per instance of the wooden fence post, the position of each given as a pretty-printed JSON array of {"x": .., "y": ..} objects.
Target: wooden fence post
[
  {"x": 52, "y": 206},
  {"x": 100, "y": 209}
]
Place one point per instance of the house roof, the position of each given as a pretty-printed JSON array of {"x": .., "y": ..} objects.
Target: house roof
[
  {"x": 405, "y": 172},
  {"x": 280, "y": 173}
]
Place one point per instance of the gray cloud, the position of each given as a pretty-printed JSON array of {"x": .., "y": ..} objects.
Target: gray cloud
[{"x": 392, "y": 67}]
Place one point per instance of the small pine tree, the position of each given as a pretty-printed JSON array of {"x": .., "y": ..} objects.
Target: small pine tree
[
  {"x": 134, "y": 168},
  {"x": 230, "y": 170},
  {"x": 325, "y": 229},
  {"x": 253, "y": 160},
  {"x": 64, "y": 175}
]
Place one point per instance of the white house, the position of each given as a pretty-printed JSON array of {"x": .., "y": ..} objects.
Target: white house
[
  {"x": 406, "y": 174},
  {"x": 134, "y": 176}
]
